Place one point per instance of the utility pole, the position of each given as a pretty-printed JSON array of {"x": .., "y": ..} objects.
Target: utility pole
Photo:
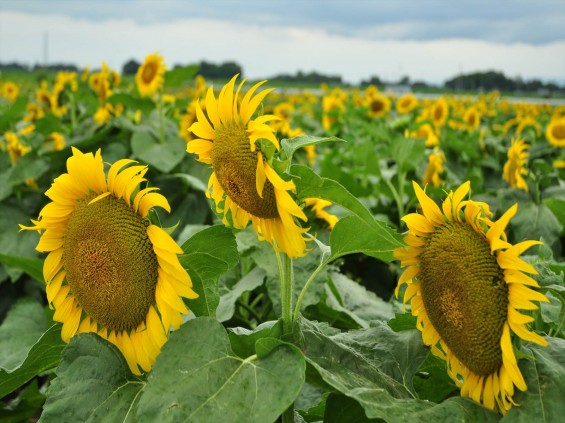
[{"x": 45, "y": 48}]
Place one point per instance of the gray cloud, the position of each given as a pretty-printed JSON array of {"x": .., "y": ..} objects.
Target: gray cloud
[{"x": 518, "y": 21}]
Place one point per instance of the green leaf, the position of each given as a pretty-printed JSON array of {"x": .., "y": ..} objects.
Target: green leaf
[
  {"x": 375, "y": 367},
  {"x": 12, "y": 114},
  {"x": 27, "y": 405},
  {"x": 311, "y": 185},
  {"x": 191, "y": 181},
  {"x": 93, "y": 383},
  {"x": 133, "y": 103},
  {"x": 45, "y": 354},
  {"x": 31, "y": 266},
  {"x": 24, "y": 324},
  {"x": 290, "y": 145},
  {"x": 48, "y": 124},
  {"x": 342, "y": 409},
  {"x": 243, "y": 340},
  {"x": 28, "y": 167},
  {"x": 352, "y": 235},
  {"x": 162, "y": 156},
  {"x": 249, "y": 282},
  {"x": 533, "y": 221},
  {"x": 208, "y": 254},
  {"x": 353, "y": 299},
  {"x": 545, "y": 378},
  {"x": 407, "y": 153},
  {"x": 212, "y": 384},
  {"x": 557, "y": 206},
  {"x": 178, "y": 76}
]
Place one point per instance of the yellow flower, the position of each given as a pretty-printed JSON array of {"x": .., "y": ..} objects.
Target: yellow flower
[
  {"x": 318, "y": 205},
  {"x": 34, "y": 112},
  {"x": 378, "y": 105},
  {"x": 434, "y": 169},
  {"x": 10, "y": 90},
  {"x": 26, "y": 130},
  {"x": 58, "y": 141},
  {"x": 103, "y": 114},
  {"x": 109, "y": 270},
  {"x": 425, "y": 131},
  {"x": 85, "y": 73},
  {"x": 406, "y": 103},
  {"x": 439, "y": 112},
  {"x": 472, "y": 119},
  {"x": 64, "y": 79},
  {"x": 333, "y": 107},
  {"x": 515, "y": 166},
  {"x": 466, "y": 308},
  {"x": 243, "y": 185},
  {"x": 15, "y": 148},
  {"x": 150, "y": 75},
  {"x": 559, "y": 164},
  {"x": 555, "y": 132}
]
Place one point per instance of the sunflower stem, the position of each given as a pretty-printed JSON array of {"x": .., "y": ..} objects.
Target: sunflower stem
[
  {"x": 73, "y": 113},
  {"x": 306, "y": 287}
]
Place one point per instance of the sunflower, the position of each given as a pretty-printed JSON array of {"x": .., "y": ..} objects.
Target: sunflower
[
  {"x": 555, "y": 132},
  {"x": 149, "y": 77},
  {"x": 514, "y": 168},
  {"x": 109, "y": 270},
  {"x": 243, "y": 185},
  {"x": 435, "y": 169},
  {"x": 439, "y": 112},
  {"x": 318, "y": 205},
  {"x": 378, "y": 105},
  {"x": 10, "y": 90},
  {"x": 477, "y": 296},
  {"x": 406, "y": 103},
  {"x": 472, "y": 119},
  {"x": 15, "y": 148}
]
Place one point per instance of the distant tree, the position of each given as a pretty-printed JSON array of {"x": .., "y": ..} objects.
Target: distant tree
[
  {"x": 224, "y": 71},
  {"x": 373, "y": 80},
  {"x": 130, "y": 67},
  {"x": 311, "y": 77}
]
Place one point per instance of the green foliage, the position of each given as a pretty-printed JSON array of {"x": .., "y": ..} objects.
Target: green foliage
[{"x": 213, "y": 383}]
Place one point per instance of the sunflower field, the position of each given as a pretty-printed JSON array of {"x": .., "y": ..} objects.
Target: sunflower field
[{"x": 177, "y": 250}]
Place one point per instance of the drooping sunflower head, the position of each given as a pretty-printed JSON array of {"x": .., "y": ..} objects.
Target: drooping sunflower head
[
  {"x": 465, "y": 283},
  {"x": 434, "y": 170},
  {"x": 150, "y": 75},
  {"x": 555, "y": 132},
  {"x": 515, "y": 167},
  {"x": 110, "y": 270},
  {"x": 243, "y": 185}
]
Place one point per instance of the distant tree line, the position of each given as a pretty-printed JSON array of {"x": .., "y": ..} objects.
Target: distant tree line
[
  {"x": 25, "y": 68},
  {"x": 311, "y": 77},
  {"x": 476, "y": 81},
  {"x": 491, "y": 80}
]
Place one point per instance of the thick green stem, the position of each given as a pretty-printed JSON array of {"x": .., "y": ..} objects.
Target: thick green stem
[
  {"x": 305, "y": 288},
  {"x": 73, "y": 114},
  {"x": 286, "y": 280},
  {"x": 400, "y": 200}
]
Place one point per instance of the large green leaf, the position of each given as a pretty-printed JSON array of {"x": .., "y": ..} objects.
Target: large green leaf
[
  {"x": 545, "y": 377},
  {"x": 228, "y": 298},
  {"x": 45, "y": 354},
  {"x": 24, "y": 324},
  {"x": 162, "y": 156},
  {"x": 352, "y": 235},
  {"x": 93, "y": 384},
  {"x": 197, "y": 378},
  {"x": 375, "y": 367},
  {"x": 342, "y": 409},
  {"x": 31, "y": 266},
  {"x": 290, "y": 145},
  {"x": 359, "y": 233},
  {"x": 208, "y": 254}
]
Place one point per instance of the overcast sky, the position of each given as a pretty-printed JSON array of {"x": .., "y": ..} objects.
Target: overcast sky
[{"x": 429, "y": 40}]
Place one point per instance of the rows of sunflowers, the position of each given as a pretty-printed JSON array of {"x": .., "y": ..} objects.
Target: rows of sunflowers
[{"x": 177, "y": 251}]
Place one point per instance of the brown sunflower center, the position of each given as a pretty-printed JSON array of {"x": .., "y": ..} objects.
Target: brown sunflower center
[
  {"x": 558, "y": 132},
  {"x": 406, "y": 103},
  {"x": 235, "y": 166},
  {"x": 465, "y": 295},
  {"x": 377, "y": 105},
  {"x": 438, "y": 113},
  {"x": 110, "y": 263},
  {"x": 148, "y": 73}
]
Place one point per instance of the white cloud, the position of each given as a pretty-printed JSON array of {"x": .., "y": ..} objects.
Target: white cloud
[{"x": 265, "y": 51}]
